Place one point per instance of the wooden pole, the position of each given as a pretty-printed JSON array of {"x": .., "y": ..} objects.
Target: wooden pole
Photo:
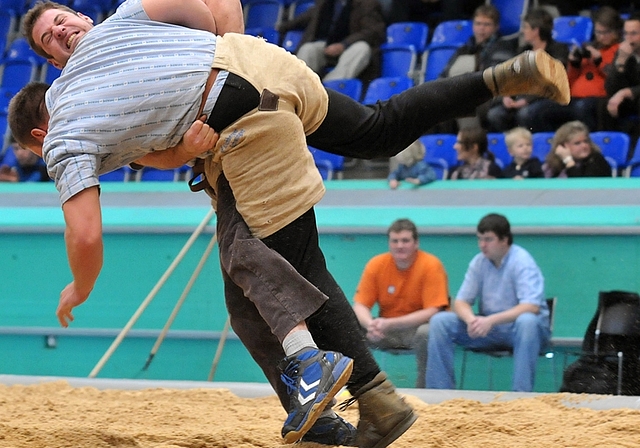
[{"x": 151, "y": 295}]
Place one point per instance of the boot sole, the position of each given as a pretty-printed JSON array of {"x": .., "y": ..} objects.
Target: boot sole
[
  {"x": 554, "y": 76},
  {"x": 316, "y": 409},
  {"x": 397, "y": 431}
]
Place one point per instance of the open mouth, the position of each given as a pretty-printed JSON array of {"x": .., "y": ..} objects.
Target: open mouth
[{"x": 71, "y": 39}]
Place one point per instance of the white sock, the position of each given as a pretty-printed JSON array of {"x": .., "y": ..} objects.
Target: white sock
[{"x": 296, "y": 341}]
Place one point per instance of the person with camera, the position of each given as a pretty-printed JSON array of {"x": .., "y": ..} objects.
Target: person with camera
[{"x": 588, "y": 66}]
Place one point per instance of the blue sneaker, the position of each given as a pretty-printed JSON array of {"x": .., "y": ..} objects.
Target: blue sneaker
[
  {"x": 313, "y": 378},
  {"x": 334, "y": 431}
]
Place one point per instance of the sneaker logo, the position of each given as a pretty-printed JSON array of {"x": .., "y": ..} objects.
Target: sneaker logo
[{"x": 306, "y": 388}]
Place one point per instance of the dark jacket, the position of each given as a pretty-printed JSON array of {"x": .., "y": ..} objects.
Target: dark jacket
[
  {"x": 365, "y": 23},
  {"x": 484, "y": 54},
  {"x": 593, "y": 166},
  {"x": 530, "y": 169}
]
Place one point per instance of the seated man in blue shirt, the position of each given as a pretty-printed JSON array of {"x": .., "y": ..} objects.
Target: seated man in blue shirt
[{"x": 513, "y": 313}]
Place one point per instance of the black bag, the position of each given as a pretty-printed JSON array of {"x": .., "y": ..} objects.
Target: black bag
[{"x": 596, "y": 371}]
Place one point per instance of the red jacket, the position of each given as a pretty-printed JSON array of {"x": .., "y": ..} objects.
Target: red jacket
[{"x": 588, "y": 79}]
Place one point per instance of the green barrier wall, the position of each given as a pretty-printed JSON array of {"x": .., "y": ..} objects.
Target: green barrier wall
[{"x": 582, "y": 246}]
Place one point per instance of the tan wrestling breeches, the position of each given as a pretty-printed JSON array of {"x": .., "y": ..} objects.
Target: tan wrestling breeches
[{"x": 264, "y": 154}]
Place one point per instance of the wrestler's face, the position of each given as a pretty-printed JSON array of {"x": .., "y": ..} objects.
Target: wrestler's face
[{"x": 58, "y": 33}]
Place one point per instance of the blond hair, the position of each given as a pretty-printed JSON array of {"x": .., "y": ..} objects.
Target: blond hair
[{"x": 515, "y": 134}]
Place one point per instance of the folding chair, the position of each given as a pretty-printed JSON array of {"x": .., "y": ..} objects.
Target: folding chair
[
  {"x": 440, "y": 166},
  {"x": 16, "y": 73},
  {"x": 263, "y": 13},
  {"x": 398, "y": 60},
  {"x": 271, "y": 35},
  {"x": 409, "y": 33},
  {"x": 381, "y": 89},
  {"x": 615, "y": 148},
  {"x": 291, "y": 40},
  {"x": 451, "y": 33},
  {"x": 298, "y": 7},
  {"x": 436, "y": 60},
  {"x": 511, "y": 13},
  {"x": 352, "y": 87},
  {"x": 440, "y": 146},
  {"x": 329, "y": 165},
  {"x": 542, "y": 144},
  {"x": 498, "y": 147}
]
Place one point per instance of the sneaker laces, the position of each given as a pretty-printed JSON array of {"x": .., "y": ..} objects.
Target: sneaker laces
[{"x": 289, "y": 376}]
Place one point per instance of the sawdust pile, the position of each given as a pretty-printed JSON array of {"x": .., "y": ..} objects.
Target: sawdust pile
[{"x": 56, "y": 415}]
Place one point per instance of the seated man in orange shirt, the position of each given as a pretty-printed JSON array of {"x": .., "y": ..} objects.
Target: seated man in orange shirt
[{"x": 409, "y": 285}]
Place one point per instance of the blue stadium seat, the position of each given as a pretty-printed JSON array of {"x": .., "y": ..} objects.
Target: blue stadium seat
[
  {"x": 16, "y": 73},
  {"x": 298, "y": 7},
  {"x": 440, "y": 146},
  {"x": 263, "y": 13},
  {"x": 381, "y": 89},
  {"x": 498, "y": 147},
  {"x": 19, "y": 49},
  {"x": 436, "y": 60},
  {"x": 330, "y": 165},
  {"x": 291, "y": 40},
  {"x": 572, "y": 29},
  {"x": 511, "y": 13},
  {"x": 123, "y": 174},
  {"x": 271, "y": 35},
  {"x": 542, "y": 144},
  {"x": 7, "y": 28},
  {"x": 615, "y": 148},
  {"x": 5, "y": 97},
  {"x": 49, "y": 73},
  {"x": 351, "y": 87},
  {"x": 90, "y": 8},
  {"x": 154, "y": 174},
  {"x": 409, "y": 33},
  {"x": 398, "y": 60},
  {"x": 451, "y": 33},
  {"x": 633, "y": 166},
  {"x": 15, "y": 7},
  {"x": 440, "y": 166}
]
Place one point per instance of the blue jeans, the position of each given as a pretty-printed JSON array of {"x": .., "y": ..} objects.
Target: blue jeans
[{"x": 527, "y": 335}]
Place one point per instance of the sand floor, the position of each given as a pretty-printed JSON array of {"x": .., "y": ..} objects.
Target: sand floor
[{"x": 57, "y": 415}]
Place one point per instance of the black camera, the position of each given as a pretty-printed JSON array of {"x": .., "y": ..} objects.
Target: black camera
[{"x": 581, "y": 52}]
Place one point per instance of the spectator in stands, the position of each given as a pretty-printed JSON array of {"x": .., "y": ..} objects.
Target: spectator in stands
[
  {"x": 588, "y": 66},
  {"x": 512, "y": 311},
  {"x": 411, "y": 167},
  {"x": 483, "y": 49},
  {"x": 525, "y": 111},
  {"x": 573, "y": 154},
  {"x": 623, "y": 79},
  {"x": 21, "y": 165},
  {"x": 520, "y": 145},
  {"x": 409, "y": 286},
  {"x": 477, "y": 162},
  {"x": 343, "y": 34}
]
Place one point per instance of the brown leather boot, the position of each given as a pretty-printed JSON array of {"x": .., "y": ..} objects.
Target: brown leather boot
[
  {"x": 384, "y": 415},
  {"x": 530, "y": 73}
]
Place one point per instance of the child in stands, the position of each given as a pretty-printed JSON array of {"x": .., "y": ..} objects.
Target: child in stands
[{"x": 520, "y": 145}]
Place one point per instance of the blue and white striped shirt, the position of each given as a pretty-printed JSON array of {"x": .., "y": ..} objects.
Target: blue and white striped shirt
[
  {"x": 132, "y": 86},
  {"x": 517, "y": 280}
]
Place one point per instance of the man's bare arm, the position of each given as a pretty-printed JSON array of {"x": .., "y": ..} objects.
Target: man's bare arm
[
  {"x": 223, "y": 16},
  {"x": 198, "y": 139},
  {"x": 83, "y": 238}
]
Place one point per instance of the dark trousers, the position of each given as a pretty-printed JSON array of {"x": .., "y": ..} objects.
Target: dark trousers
[
  {"x": 264, "y": 296},
  {"x": 386, "y": 128},
  {"x": 285, "y": 274}
]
